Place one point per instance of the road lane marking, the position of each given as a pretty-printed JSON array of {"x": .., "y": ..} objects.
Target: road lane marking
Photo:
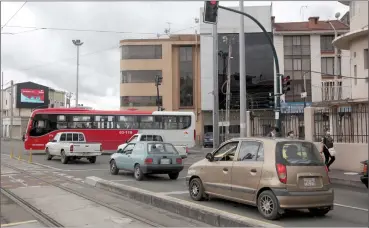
[
  {"x": 356, "y": 208},
  {"x": 18, "y": 223},
  {"x": 120, "y": 180},
  {"x": 84, "y": 170},
  {"x": 173, "y": 193}
]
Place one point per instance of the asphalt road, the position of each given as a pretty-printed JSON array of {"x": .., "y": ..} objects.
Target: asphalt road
[{"x": 351, "y": 204}]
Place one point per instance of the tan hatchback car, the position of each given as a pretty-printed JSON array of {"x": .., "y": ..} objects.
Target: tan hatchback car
[{"x": 272, "y": 174}]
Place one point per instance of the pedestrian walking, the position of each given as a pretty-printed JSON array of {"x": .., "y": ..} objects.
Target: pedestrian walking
[{"x": 328, "y": 149}]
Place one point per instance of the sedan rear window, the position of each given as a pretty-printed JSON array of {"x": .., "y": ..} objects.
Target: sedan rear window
[
  {"x": 161, "y": 148},
  {"x": 298, "y": 154}
]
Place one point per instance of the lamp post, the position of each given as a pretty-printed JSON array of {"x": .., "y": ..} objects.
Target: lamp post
[
  {"x": 77, "y": 43},
  {"x": 336, "y": 72}
]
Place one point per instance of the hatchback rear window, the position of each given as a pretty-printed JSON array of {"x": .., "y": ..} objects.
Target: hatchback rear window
[
  {"x": 161, "y": 148},
  {"x": 298, "y": 154}
]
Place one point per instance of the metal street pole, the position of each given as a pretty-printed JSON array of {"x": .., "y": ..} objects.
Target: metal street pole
[
  {"x": 2, "y": 104},
  {"x": 215, "y": 88},
  {"x": 11, "y": 109},
  {"x": 77, "y": 43},
  {"x": 228, "y": 93},
  {"x": 243, "y": 99}
]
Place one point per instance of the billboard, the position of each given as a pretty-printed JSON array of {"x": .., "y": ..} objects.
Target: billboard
[{"x": 33, "y": 96}]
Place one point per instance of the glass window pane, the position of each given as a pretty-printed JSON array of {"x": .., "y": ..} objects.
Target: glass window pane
[
  {"x": 142, "y": 52},
  {"x": 136, "y": 101},
  {"x": 288, "y": 64},
  {"x": 140, "y": 76}
]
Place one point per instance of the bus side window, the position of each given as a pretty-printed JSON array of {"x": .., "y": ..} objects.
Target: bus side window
[{"x": 63, "y": 137}]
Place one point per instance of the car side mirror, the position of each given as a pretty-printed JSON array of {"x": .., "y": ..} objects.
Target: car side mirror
[{"x": 210, "y": 157}]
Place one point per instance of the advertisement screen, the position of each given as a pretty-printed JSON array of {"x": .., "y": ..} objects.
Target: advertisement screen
[{"x": 32, "y": 96}]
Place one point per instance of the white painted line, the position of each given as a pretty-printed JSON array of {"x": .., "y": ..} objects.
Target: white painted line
[
  {"x": 77, "y": 179},
  {"x": 61, "y": 174},
  {"x": 84, "y": 170},
  {"x": 120, "y": 180},
  {"x": 173, "y": 193},
  {"x": 69, "y": 177},
  {"x": 350, "y": 173},
  {"x": 356, "y": 208},
  {"x": 18, "y": 223}
]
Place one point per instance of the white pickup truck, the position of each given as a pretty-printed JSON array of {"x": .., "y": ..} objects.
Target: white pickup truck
[
  {"x": 182, "y": 150},
  {"x": 72, "y": 146}
]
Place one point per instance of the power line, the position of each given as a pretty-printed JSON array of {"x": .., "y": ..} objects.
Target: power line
[
  {"x": 342, "y": 76},
  {"x": 79, "y": 30},
  {"x": 13, "y": 15}
]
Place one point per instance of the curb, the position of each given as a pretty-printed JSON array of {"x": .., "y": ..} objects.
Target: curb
[
  {"x": 349, "y": 183},
  {"x": 211, "y": 216}
]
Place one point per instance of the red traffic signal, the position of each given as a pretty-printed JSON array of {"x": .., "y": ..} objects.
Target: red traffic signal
[
  {"x": 286, "y": 83},
  {"x": 211, "y": 12},
  {"x": 213, "y": 2}
]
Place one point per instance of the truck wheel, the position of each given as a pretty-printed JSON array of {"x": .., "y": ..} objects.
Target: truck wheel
[
  {"x": 64, "y": 159},
  {"x": 48, "y": 156},
  {"x": 92, "y": 159}
]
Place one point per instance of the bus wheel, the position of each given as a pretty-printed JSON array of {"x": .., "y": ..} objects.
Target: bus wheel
[
  {"x": 64, "y": 159},
  {"x": 92, "y": 159},
  {"x": 48, "y": 156}
]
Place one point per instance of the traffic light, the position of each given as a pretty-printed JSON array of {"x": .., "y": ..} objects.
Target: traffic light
[
  {"x": 271, "y": 100},
  {"x": 286, "y": 82},
  {"x": 211, "y": 12},
  {"x": 158, "y": 80}
]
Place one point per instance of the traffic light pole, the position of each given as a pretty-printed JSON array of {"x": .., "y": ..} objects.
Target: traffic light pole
[
  {"x": 277, "y": 107},
  {"x": 215, "y": 88}
]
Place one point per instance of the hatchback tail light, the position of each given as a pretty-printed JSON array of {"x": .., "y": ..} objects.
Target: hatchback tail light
[
  {"x": 71, "y": 148},
  {"x": 282, "y": 173},
  {"x": 179, "y": 160},
  {"x": 148, "y": 161},
  {"x": 365, "y": 169}
]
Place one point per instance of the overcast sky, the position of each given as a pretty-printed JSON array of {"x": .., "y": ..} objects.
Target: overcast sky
[{"x": 48, "y": 57}]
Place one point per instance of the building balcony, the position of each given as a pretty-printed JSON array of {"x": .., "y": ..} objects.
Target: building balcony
[{"x": 333, "y": 91}]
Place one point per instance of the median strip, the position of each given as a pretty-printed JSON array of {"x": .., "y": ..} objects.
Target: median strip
[{"x": 211, "y": 216}]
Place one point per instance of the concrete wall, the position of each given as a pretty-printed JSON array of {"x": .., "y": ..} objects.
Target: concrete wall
[
  {"x": 360, "y": 87},
  {"x": 316, "y": 66}
]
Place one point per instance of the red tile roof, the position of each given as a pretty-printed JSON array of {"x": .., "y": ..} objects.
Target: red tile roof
[{"x": 310, "y": 25}]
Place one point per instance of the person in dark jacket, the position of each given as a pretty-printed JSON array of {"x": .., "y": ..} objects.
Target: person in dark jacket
[
  {"x": 327, "y": 142},
  {"x": 274, "y": 132}
]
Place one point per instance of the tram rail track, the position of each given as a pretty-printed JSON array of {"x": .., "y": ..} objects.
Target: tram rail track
[{"x": 51, "y": 222}]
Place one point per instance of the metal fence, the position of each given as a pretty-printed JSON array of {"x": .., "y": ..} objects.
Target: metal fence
[
  {"x": 291, "y": 120},
  {"x": 347, "y": 125}
]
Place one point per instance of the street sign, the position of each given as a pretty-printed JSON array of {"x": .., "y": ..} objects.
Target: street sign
[{"x": 303, "y": 94}]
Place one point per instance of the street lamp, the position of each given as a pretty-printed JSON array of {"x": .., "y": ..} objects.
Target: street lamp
[
  {"x": 77, "y": 43},
  {"x": 336, "y": 73}
]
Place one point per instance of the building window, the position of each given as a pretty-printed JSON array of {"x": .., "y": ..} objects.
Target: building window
[
  {"x": 326, "y": 43},
  {"x": 297, "y": 65},
  {"x": 139, "y": 101},
  {"x": 139, "y": 76},
  {"x": 327, "y": 64},
  {"x": 186, "y": 76},
  {"x": 141, "y": 52},
  {"x": 365, "y": 58},
  {"x": 355, "y": 74}
]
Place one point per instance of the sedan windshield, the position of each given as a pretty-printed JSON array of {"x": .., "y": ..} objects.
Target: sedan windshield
[{"x": 161, "y": 148}]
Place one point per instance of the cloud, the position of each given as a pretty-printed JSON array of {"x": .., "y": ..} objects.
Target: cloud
[{"x": 48, "y": 56}]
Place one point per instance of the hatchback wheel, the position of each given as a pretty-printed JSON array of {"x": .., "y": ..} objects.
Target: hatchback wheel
[
  {"x": 196, "y": 190},
  {"x": 319, "y": 211},
  {"x": 268, "y": 205},
  {"x": 173, "y": 176},
  {"x": 113, "y": 168},
  {"x": 138, "y": 173}
]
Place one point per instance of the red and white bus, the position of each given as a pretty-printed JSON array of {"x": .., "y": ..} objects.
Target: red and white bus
[{"x": 111, "y": 128}]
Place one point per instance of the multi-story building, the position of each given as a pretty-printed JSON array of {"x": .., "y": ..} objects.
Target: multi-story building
[
  {"x": 355, "y": 42},
  {"x": 19, "y": 101},
  {"x": 176, "y": 59},
  {"x": 306, "y": 53}
]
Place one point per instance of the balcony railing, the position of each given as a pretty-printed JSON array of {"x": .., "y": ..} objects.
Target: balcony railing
[{"x": 331, "y": 91}]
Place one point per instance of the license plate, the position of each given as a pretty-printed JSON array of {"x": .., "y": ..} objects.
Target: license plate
[
  {"x": 165, "y": 161},
  {"x": 309, "y": 182}
]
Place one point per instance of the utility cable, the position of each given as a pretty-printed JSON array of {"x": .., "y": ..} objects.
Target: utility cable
[{"x": 13, "y": 15}]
